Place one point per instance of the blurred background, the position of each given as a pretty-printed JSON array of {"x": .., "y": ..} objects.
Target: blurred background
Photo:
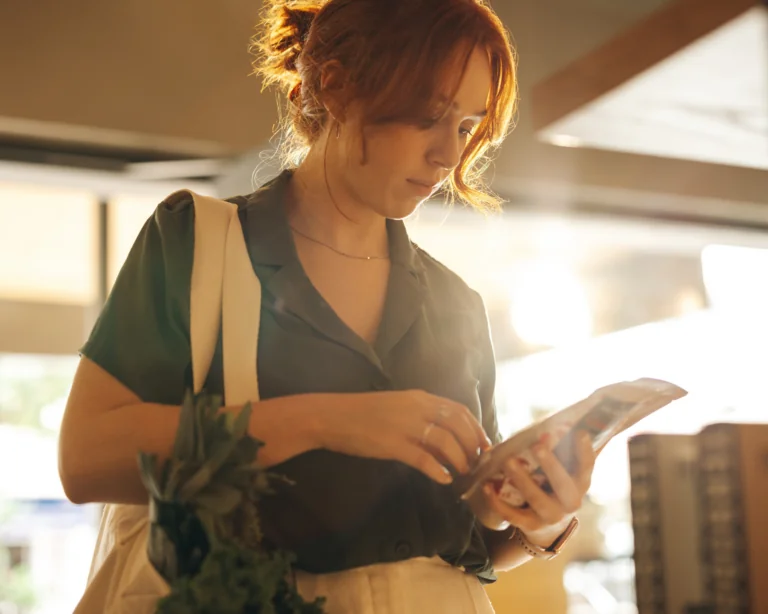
[{"x": 633, "y": 241}]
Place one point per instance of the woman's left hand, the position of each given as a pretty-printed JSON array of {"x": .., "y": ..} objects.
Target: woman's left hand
[{"x": 547, "y": 515}]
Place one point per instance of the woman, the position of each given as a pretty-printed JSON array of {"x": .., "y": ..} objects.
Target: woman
[{"x": 375, "y": 362}]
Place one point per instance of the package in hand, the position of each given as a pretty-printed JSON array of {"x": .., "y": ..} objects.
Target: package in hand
[{"x": 602, "y": 415}]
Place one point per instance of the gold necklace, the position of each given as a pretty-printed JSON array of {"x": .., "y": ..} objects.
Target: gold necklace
[{"x": 333, "y": 249}]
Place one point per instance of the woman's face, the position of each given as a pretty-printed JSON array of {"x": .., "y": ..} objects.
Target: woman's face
[{"x": 405, "y": 163}]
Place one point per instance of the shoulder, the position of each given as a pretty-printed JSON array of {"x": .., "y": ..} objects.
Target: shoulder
[
  {"x": 448, "y": 287},
  {"x": 173, "y": 219},
  {"x": 169, "y": 234},
  {"x": 177, "y": 207}
]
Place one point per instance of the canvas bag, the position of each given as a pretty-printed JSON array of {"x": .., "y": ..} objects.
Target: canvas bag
[{"x": 224, "y": 290}]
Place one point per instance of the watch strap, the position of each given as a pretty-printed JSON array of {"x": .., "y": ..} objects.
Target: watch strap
[{"x": 554, "y": 549}]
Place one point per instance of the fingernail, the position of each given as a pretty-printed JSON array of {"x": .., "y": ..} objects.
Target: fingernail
[{"x": 447, "y": 477}]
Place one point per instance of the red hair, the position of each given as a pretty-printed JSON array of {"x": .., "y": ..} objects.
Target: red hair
[{"x": 395, "y": 55}]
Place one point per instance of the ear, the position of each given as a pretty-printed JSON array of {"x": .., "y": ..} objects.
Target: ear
[{"x": 333, "y": 88}]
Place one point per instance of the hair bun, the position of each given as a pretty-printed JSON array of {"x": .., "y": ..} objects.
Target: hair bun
[
  {"x": 301, "y": 20},
  {"x": 287, "y": 24}
]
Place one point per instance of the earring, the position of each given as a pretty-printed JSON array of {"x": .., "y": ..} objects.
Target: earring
[{"x": 338, "y": 130}]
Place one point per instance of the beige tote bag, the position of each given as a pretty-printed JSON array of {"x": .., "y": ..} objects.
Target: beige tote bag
[{"x": 224, "y": 289}]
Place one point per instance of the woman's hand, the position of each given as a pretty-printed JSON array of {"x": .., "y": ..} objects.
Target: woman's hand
[
  {"x": 422, "y": 430},
  {"x": 546, "y": 515}
]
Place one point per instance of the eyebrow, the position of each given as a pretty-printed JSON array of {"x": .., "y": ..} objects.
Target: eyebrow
[{"x": 479, "y": 114}]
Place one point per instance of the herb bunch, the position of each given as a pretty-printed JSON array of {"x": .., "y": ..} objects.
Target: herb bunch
[{"x": 205, "y": 536}]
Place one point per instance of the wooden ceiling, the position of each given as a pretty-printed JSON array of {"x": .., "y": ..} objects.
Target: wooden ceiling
[
  {"x": 689, "y": 81},
  {"x": 158, "y": 80},
  {"x": 169, "y": 76}
]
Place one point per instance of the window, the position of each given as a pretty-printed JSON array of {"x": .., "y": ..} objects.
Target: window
[{"x": 48, "y": 245}]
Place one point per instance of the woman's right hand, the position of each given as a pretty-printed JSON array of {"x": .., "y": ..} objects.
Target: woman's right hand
[{"x": 422, "y": 430}]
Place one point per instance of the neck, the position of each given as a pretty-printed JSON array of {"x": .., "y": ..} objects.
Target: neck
[{"x": 333, "y": 217}]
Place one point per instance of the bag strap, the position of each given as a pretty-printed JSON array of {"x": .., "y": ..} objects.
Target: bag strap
[
  {"x": 225, "y": 294},
  {"x": 241, "y": 304}
]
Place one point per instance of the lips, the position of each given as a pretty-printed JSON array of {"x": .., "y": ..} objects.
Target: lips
[
  {"x": 423, "y": 191},
  {"x": 424, "y": 184},
  {"x": 423, "y": 188}
]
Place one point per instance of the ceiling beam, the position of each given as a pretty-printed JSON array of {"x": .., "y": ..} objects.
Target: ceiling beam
[{"x": 629, "y": 54}]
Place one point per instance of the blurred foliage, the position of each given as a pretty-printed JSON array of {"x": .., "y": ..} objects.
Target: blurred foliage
[{"x": 16, "y": 585}]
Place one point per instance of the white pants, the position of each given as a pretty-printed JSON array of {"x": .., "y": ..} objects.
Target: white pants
[{"x": 415, "y": 586}]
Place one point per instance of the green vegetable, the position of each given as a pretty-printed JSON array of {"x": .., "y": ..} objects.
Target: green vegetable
[{"x": 205, "y": 537}]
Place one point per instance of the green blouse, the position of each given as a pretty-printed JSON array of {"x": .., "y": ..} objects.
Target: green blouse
[{"x": 342, "y": 511}]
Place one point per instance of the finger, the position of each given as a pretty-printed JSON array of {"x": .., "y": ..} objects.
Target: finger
[
  {"x": 462, "y": 425},
  {"x": 587, "y": 457},
  {"x": 547, "y": 440},
  {"x": 452, "y": 435},
  {"x": 546, "y": 506},
  {"x": 444, "y": 445},
  {"x": 422, "y": 460},
  {"x": 451, "y": 411},
  {"x": 564, "y": 486},
  {"x": 467, "y": 430},
  {"x": 484, "y": 442},
  {"x": 525, "y": 519}
]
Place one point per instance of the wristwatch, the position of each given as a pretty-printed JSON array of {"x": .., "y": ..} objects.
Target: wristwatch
[{"x": 553, "y": 550}]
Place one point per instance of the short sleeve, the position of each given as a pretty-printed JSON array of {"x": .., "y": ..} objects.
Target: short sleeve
[
  {"x": 142, "y": 334},
  {"x": 487, "y": 376}
]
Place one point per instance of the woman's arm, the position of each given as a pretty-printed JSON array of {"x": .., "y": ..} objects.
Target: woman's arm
[
  {"x": 105, "y": 425},
  {"x": 505, "y": 553},
  {"x": 547, "y": 516}
]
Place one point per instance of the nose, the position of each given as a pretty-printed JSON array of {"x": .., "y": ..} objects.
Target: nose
[{"x": 446, "y": 150}]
